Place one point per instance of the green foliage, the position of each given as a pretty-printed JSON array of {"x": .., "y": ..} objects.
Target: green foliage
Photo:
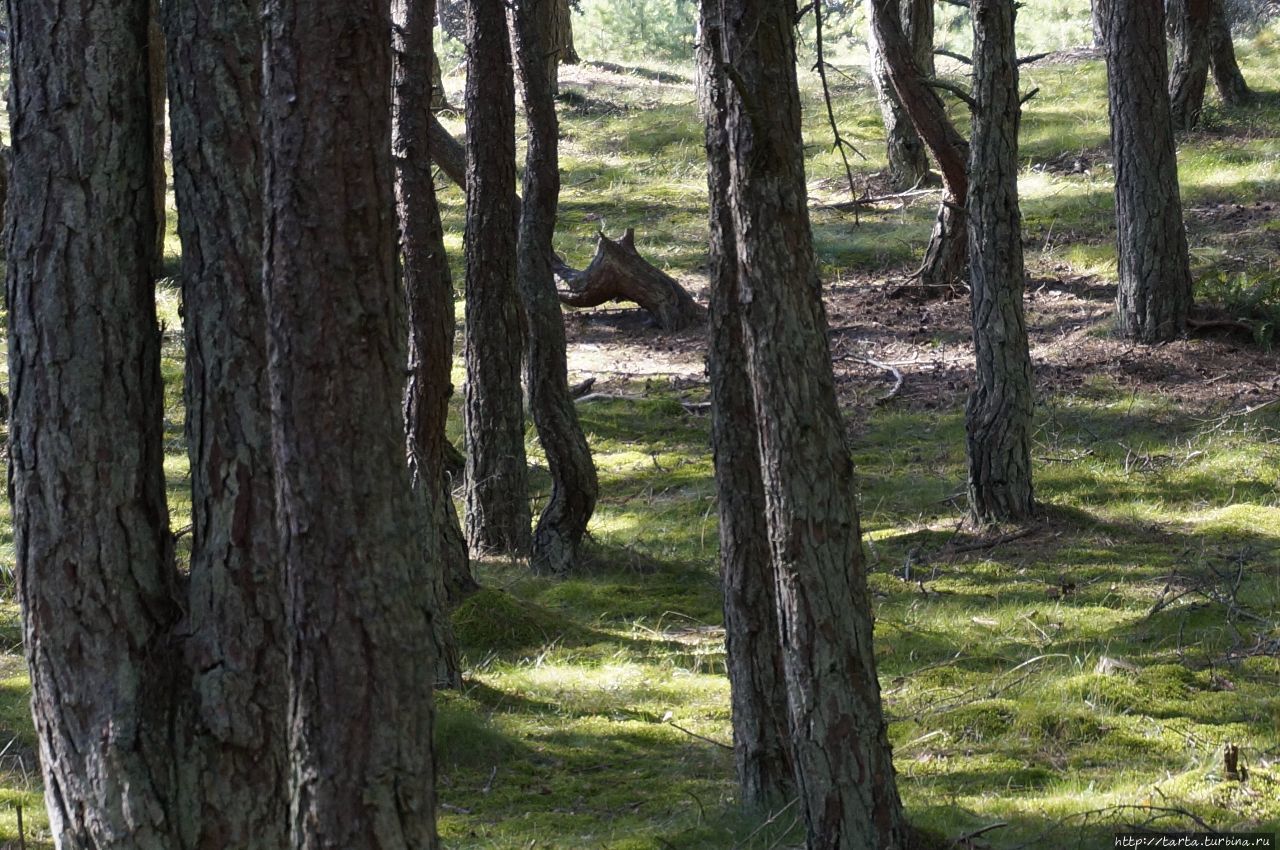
[
  {"x": 1249, "y": 296},
  {"x": 637, "y": 30}
]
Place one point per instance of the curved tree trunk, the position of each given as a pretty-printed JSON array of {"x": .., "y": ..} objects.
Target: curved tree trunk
[
  {"x": 574, "y": 487},
  {"x": 429, "y": 297},
  {"x": 847, "y": 790},
  {"x": 1231, "y": 84},
  {"x": 1189, "y": 23},
  {"x": 93, "y": 553},
  {"x": 998, "y": 414},
  {"x": 358, "y": 602},
  {"x": 234, "y": 764},
  {"x": 753, "y": 648},
  {"x": 1155, "y": 289},
  {"x": 908, "y": 156},
  {"x": 497, "y": 480}
]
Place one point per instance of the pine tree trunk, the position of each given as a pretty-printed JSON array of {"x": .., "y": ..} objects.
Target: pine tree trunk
[
  {"x": 753, "y": 649},
  {"x": 358, "y": 601},
  {"x": 1231, "y": 84},
  {"x": 847, "y": 790},
  {"x": 92, "y": 547},
  {"x": 574, "y": 487},
  {"x": 1155, "y": 290},
  {"x": 233, "y": 763},
  {"x": 998, "y": 415},
  {"x": 908, "y": 156},
  {"x": 159, "y": 178},
  {"x": 1189, "y": 23},
  {"x": 1097, "y": 21},
  {"x": 497, "y": 480},
  {"x": 562, "y": 42},
  {"x": 429, "y": 297}
]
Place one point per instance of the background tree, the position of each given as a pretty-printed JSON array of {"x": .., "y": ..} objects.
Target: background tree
[
  {"x": 574, "y": 487},
  {"x": 999, "y": 412},
  {"x": 1189, "y": 26},
  {"x": 908, "y": 156},
  {"x": 1155, "y": 291},
  {"x": 844, "y": 773},
  {"x": 1231, "y": 84},
  {"x": 358, "y": 597},
  {"x": 497, "y": 481}
]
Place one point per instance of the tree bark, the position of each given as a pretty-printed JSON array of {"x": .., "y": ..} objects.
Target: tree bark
[
  {"x": 1231, "y": 84},
  {"x": 999, "y": 412},
  {"x": 1097, "y": 21},
  {"x": 908, "y": 156},
  {"x": 159, "y": 178},
  {"x": 497, "y": 480},
  {"x": 847, "y": 790},
  {"x": 1155, "y": 290},
  {"x": 1190, "y": 22},
  {"x": 753, "y": 648},
  {"x": 429, "y": 298},
  {"x": 92, "y": 547},
  {"x": 574, "y": 488},
  {"x": 358, "y": 604},
  {"x": 233, "y": 763}
]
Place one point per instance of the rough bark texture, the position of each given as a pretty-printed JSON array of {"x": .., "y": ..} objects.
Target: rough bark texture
[
  {"x": 998, "y": 414},
  {"x": 846, "y": 785},
  {"x": 1189, "y": 25},
  {"x": 159, "y": 178},
  {"x": 497, "y": 481},
  {"x": 753, "y": 648},
  {"x": 1231, "y": 84},
  {"x": 574, "y": 487},
  {"x": 429, "y": 296},
  {"x": 944, "y": 261},
  {"x": 908, "y": 156},
  {"x": 91, "y": 541},
  {"x": 233, "y": 762},
  {"x": 358, "y": 607},
  {"x": 1097, "y": 21},
  {"x": 1154, "y": 294}
]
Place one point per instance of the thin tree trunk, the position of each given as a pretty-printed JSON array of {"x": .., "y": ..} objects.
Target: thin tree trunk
[
  {"x": 429, "y": 297},
  {"x": 908, "y": 156},
  {"x": 847, "y": 790},
  {"x": 159, "y": 178},
  {"x": 1231, "y": 84},
  {"x": 574, "y": 487},
  {"x": 92, "y": 547},
  {"x": 998, "y": 415},
  {"x": 358, "y": 603},
  {"x": 1155, "y": 291},
  {"x": 1097, "y": 21},
  {"x": 753, "y": 648},
  {"x": 1190, "y": 22},
  {"x": 234, "y": 764}
]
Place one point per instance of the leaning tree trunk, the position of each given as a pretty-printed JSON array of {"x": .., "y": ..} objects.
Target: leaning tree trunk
[
  {"x": 1189, "y": 25},
  {"x": 998, "y": 414},
  {"x": 358, "y": 602},
  {"x": 753, "y": 648},
  {"x": 1231, "y": 84},
  {"x": 574, "y": 487},
  {"x": 1155, "y": 292},
  {"x": 234, "y": 764},
  {"x": 159, "y": 178},
  {"x": 907, "y": 154},
  {"x": 944, "y": 260},
  {"x": 429, "y": 297},
  {"x": 497, "y": 480},
  {"x": 93, "y": 553},
  {"x": 846, "y": 786}
]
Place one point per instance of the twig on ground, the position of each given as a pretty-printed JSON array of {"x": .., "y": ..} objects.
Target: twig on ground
[{"x": 719, "y": 744}]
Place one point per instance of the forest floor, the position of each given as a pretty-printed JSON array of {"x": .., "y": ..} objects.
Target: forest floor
[{"x": 1061, "y": 679}]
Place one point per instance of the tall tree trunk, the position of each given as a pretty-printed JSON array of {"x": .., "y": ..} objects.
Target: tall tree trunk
[
  {"x": 944, "y": 260},
  {"x": 358, "y": 603},
  {"x": 1231, "y": 84},
  {"x": 1097, "y": 21},
  {"x": 761, "y": 744},
  {"x": 234, "y": 764},
  {"x": 844, "y": 772},
  {"x": 159, "y": 178},
  {"x": 497, "y": 480},
  {"x": 1190, "y": 22},
  {"x": 93, "y": 553},
  {"x": 998, "y": 415},
  {"x": 562, "y": 40},
  {"x": 1155, "y": 290},
  {"x": 574, "y": 487},
  {"x": 908, "y": 156},
  {"x": 429, "y": 296}
]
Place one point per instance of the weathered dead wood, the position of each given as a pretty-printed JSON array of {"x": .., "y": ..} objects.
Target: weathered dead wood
[{"x": 618, "y": 273}]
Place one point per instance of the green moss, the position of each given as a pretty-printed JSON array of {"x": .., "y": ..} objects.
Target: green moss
[{"x": 494, "y": 621}]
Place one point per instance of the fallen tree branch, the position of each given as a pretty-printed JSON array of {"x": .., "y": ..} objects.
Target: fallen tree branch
[{"x": 888, "y": 367}]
